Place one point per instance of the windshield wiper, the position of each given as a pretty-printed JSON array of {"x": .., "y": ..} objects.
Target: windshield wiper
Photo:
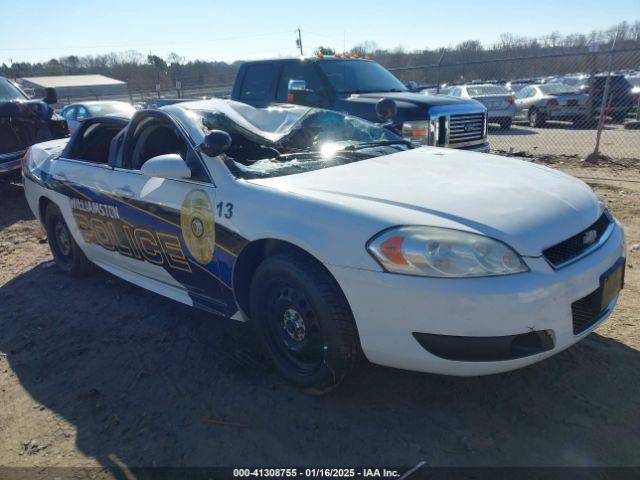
[{"x": 379, "y": 143}]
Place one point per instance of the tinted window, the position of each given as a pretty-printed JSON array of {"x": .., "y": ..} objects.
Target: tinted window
[
  {"x": 524, "y": 93},
  {"x": 258, "y": 81},
  {"x": 360, "y": 76},
  {"x": 297, "y": 71}
]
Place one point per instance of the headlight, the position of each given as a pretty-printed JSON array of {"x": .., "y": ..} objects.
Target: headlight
[
  {"x": 443, "y": 252},
  {"x": 421, "y": 132}
]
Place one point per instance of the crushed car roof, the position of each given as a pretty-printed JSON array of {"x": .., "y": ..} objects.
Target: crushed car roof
[{"x": 271, "y": 123}]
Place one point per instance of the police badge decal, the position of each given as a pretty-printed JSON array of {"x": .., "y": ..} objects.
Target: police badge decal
[{"x": 198, "y": 226}]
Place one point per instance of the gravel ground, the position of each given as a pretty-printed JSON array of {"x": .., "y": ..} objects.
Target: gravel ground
[
  {"x": 562, "y": 138},
  {"x": 97, "y": 372}
]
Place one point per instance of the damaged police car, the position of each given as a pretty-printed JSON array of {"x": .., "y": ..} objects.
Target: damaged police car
[{"x": 333, "y": 236}]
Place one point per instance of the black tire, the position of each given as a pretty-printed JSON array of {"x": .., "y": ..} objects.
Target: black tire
[
  {"x": 303, "y": 321},
  {"x": 66, "y": 252},
  {"x": 536, "y": 118},
  {"x": 506, "y": 123}
]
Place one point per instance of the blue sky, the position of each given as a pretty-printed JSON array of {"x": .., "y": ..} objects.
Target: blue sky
[{"x": 35, "y": 30}]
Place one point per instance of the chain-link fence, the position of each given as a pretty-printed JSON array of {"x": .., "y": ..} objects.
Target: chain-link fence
[
  {"x": 565, "y": 104},
  {"x": 570, "y": 104}
]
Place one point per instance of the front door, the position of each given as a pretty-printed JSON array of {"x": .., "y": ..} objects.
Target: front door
[{"x": 168, "y": 229}]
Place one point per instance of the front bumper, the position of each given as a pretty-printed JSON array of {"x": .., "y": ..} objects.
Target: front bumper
[
  {"x": 389, "y": 308},
  {"x": 10, "y": 162}
]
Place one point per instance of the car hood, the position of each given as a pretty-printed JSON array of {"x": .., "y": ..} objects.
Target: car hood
[
  {"x": 410, "y": 97},
  {"x": 528, "y": 206}
]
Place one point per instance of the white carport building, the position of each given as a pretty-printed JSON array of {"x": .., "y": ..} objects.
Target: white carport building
[{"x": 76, "y": 87}]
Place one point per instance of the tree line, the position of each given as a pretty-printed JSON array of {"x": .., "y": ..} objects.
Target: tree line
[{"x": 143, "y": 72}]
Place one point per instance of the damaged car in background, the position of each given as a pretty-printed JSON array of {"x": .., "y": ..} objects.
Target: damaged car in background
[
  {"x": 24, "y": 122},
  {"x": 333, "y": 236}
]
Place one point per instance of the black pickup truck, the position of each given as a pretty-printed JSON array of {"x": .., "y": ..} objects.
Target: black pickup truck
[
  {"x": 24, "y": 122},
  {"x": 355, "y": 86}
]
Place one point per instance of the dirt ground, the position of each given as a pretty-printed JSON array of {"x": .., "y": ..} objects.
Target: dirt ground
[{"x": 97, "y": 372}]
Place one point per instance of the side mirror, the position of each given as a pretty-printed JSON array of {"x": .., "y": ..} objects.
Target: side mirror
[
  {"x": 295, "y": 86},
  {"x": 298, "y": 93},
  {"x": 412, "y": 86},
  {"x": 215, "y": 143},
  {"x": 170, "y": 165},
  {"x": 50, "y": 96},
  {"x": 386, "y": 109}
]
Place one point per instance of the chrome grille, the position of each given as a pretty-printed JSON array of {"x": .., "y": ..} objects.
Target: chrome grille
[{"x": 466, "y": 128}]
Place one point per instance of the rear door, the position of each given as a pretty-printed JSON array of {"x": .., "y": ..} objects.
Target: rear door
[
  {"x": 258, "y": 84},
  {"x": 315, "y": 96},
  {"x": 168, "y": 224},
  {"x": 81, "y": 176}
]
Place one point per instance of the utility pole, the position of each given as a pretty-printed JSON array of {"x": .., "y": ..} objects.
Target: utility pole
[{"x": 299, "y": 42}]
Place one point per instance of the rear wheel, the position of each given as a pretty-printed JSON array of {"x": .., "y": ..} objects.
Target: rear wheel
[
  {"x": 303, "y": 321},
  {"x": 66, "y": 252},
  {"x": 536, "y": 118}
]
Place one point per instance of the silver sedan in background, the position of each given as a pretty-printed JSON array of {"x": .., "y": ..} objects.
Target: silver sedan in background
[
  {"x": 77, "y": 112},
  {"x": 553, "y": 101},
  {"x": 498, "y": 99}
]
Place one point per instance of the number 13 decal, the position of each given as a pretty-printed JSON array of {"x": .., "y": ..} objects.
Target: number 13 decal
[{"x": 225, "y": 209}]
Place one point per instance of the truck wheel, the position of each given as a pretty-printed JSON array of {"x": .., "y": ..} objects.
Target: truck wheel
[
  {"x": 66, "y": 252},
  {"x": 536, "y": 118},
  {"x": 505, "y": 124},
  {"x": 303, "y": 321}
]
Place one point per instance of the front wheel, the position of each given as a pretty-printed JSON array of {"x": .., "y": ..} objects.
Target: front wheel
[
  {"x": 506, "y": 123},
  {"x": 66, "y": 252},
  {"x": 303, "y": 321}
]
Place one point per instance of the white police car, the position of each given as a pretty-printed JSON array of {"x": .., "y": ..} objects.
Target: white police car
[{"x": 333, "y": 236}]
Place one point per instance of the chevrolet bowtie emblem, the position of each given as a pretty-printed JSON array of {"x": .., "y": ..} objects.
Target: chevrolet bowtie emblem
[{"x": 589, "y": 237}]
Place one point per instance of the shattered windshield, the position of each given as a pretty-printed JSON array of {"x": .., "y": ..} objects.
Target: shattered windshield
[
  {"x": 318, "y": 139},
  {"x": 9, "y": 93}
]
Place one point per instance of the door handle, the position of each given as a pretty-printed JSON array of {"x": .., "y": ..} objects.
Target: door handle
[{"x": 123, "y": 192}]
